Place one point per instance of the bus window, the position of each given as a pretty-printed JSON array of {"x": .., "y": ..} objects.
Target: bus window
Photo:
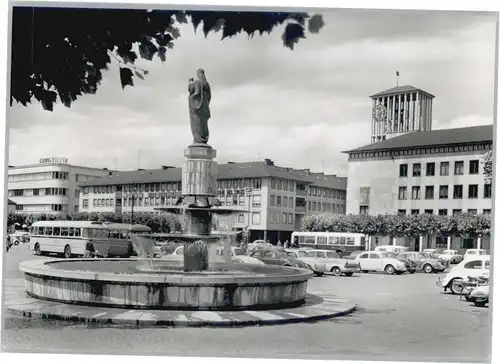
[
  {"x": 48, "y": 230},
  {"x": 41, "y": 230},
  {"x": 124, "y": 234},
  {"x": 71, "y": 231},
  {"x": 350, "y": 241},
  {"x": 310, "y": 240},
  {"x": 322, "y": 239},
  {"x": 77, "y": 232},
  {"x": 57, "y": 231},
  {"x": 35, "y": 230},
  {"x": 115, "y": 234},
  {"x": 64, "y": 231},
  {"x": 342, "y": 240},
  {"x": 301, "y": 239},
  {"x": 333, "y": 240},
  {"x": 363, "y": 241}
]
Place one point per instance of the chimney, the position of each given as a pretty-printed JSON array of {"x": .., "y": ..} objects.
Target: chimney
[{"x": 268, "y": 162}]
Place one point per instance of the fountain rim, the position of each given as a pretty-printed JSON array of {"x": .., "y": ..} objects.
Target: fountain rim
[{"x": 40, "y": 268}]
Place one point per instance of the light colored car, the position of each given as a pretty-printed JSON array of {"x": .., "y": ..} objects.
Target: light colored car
[
  {"x": 424, "y": 261},
  {"x": 379, "y": 262},
  {"x": 240, "y": 254},
  {"x": 474, "y": 253},
  {"x": 20, "y": 236},
  {"x": 451, "y": 256},
  {"x": 280, "y": 257},
  {"x": 327, "y": 261},
  {"x": 474, "y": 268},
  {"x": 391, "y": 249}
]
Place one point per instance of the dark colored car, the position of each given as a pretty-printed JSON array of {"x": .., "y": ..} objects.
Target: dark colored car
[
  {"x": 410, "y": 265},
  {"x": 281, "y": 257}
]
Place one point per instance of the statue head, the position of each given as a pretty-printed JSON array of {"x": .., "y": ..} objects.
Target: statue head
[{"x": 201, "y": 75}]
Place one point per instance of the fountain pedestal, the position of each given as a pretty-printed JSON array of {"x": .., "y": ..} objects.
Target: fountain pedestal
[{"x": 199, "y": 182}]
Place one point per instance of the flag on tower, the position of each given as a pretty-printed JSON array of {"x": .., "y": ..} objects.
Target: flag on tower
[{"x": 397, "y": 73}]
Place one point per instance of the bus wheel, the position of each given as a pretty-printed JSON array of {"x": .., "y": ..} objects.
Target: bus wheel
[
  {"x": 67, "y": 252},
  {"x": 37, "y": 249}
]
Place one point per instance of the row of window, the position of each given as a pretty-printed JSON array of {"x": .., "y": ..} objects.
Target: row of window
[
  {"x": 276, "y": 217},
  {"x": 255, "y": 183},
  {"x": 444, "y": 212},
  {"x": 39, "y": 192},
  {"x": 325, "y": 207},
  {"x": 39, "y": 176},
  {"x": 282, "y": 185},
  {"x": 326, "y": 192},
  {"x": 458, "y": 192},
  {"x": 281, "y": 201},
  {"x": 422, "y": 151},
  {"x": 444, "y": 168}
]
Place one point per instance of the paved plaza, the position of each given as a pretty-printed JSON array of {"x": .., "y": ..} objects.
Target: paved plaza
[{"x": 397, "y": 318}]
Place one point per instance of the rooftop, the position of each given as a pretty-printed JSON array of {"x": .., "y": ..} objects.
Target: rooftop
[
  {"x": 398, "y": 90},
  {"x": 226, "y": 171},
  {"x": 430, "y": 138}
]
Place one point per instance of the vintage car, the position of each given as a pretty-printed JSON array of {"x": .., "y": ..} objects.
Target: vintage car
[
  {"x": 451, "y": 256},
  {"x": 424, "y": 261},
  {"x": 411, "y": 266},
  {"x": 379, "y": 262},
  {"x": 280, "y": 257},
  {"x": 391, "y": 249},
  {"x": 239, "y": 253},
  {"x": 20, "y": 236},
  {"x": 474, "y": 253},
  {"x": 454, "y": 279},
  {"x": 326, "y": 261},
  {"x": 258, "y": 244}
]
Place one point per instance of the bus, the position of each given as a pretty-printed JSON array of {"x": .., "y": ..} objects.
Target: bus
[
  {"x": 69, "y": 238},
  {"x": 342, "y": 243}
]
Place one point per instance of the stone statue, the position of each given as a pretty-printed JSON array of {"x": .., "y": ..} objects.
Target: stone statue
[{"x": 199, "y": 107}]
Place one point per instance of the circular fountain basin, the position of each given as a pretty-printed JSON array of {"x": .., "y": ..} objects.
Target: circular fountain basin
[{"x": 157, "y": 284}]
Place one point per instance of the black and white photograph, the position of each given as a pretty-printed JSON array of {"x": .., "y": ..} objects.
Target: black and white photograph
[{"x": 204, "y": 181}]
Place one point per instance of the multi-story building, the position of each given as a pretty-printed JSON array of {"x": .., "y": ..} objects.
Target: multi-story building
[
  {"x": 48, "y": 187},
  {"x": 269, "y": 201},
  {"x": 438, "y": 172}
]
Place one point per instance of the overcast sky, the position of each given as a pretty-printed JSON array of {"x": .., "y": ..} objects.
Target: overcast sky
[{"x": 300, "y": 108}]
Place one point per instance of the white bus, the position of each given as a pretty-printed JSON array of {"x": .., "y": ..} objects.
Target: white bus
[
  {"x": 342, "y": 243},
  {"x": 70, "y": 238}
]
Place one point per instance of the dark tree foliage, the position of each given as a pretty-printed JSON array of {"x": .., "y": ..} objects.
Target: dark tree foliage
[{"x": 62, "y": 52}]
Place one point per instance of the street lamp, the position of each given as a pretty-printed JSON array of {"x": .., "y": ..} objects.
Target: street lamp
[{"x": 134, "y": 196}]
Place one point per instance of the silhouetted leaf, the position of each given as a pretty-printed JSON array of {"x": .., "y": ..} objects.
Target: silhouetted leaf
[
  {"x": 162, "y": 51},
  {"x": 126, "y": 77},
  {"x": 292, "y": 34},
  {"x": 315, "y": 23},
  {"x": 138, "y": 74}
]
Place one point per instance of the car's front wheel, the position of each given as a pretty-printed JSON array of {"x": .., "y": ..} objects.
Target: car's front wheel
[{"x": 389, "y": 269}]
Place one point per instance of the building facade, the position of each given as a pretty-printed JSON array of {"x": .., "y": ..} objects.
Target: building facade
[
  {"x": 269, "y": 201},
  {"x": 49, "y": 186},
  {"x": 438, "y": 172},
  {"x": 400, "y": 110}
]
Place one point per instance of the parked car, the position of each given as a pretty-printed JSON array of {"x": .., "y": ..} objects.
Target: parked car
[
  {"x": 240, "y": 254},
  {"x": 379, "y": 262},
  {"x": 327, "y": 261},
  {"x": 391, "y": 249},
  {"x": 423, "y": 261},
  {"x": 411, "y": 266},
  {"x": 444, "y": 262},
  {"x": 454, "y": 279},
  {"x": 258, "y": 244},
  {"x": 20, "y": 236},
  {"x": 480, "y": 295},
  {"x": 281, "y": 257},
  {"x": 474, "y": 253},
  {"x": 451, "y": 256},
  {"x": 436, "y": 251}
]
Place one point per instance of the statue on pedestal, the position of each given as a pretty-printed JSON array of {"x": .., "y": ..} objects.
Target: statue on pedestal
[{"x": 199, "y": 107}]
